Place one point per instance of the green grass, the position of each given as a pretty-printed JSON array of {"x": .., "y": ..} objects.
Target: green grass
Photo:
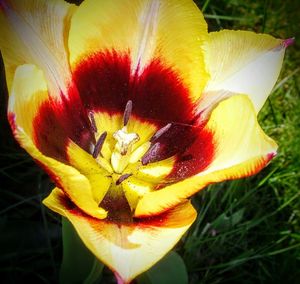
[{"x": 247, "y": 231}]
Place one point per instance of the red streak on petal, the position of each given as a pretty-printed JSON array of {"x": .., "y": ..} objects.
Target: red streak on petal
[
  {"x": 50, "y": 137},
  {"x": 196, "y": 158},
  {"x": 58, "y": 121},
  {"x": 12, "y": 121},
  {"x": 144, "y": 223},
  {"x": 160, "y": 94},
  {"x": 105, "y": 83},
  {"x": 270, "y": 156},
  {"x": 288, "y": 42},
  {"x": 52, "y": 175},
  {"x": 119, "y": 279},
  {"x": 172, "y": 142},
  {"x": 193, "y": 147},
  {"x": 3, "y": 6}
]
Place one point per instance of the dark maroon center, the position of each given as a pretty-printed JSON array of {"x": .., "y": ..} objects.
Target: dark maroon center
[{"x": 104, "y": 82}]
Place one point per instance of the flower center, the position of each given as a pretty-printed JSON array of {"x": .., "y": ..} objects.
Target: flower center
[{"x": 127, "y": 150}]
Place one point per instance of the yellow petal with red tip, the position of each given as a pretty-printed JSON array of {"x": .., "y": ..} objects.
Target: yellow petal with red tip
[
  {"x": 241, "y": 149},
  {"x": 173, "y": 31},
  {"x": 245, "y": 63},
  {"x": 127, "y": 249},
  {"x": 34, "y": 32},
  {"x": 74, "y": 184},
  {"x": 28, "y": 92}
]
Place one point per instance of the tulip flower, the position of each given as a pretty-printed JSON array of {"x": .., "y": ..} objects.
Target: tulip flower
[{"x": 132, "y": 107}]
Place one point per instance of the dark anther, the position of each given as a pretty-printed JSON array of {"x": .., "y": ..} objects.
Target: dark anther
[
  {"x": 99, "y": 145},
  {"x": 127, "y": 112},
  {"x": 160, "y": 132},
  {"x": 151, "y": 154},
  {"x": 122, "y": 178},
  {"x": 93, "y": 123}
]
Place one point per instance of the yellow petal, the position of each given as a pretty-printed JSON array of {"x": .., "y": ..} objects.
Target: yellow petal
[
  {"x": 134, "y": 189},
  {"x": 241, "y": 149},
  {"x": 98, "y": 177},
  {"x": 127, "y": 249},
  {"x": 155, "y": 172},
  {"x": 75, "y": 185},
  {"x": 245, "y": 63},
  {"x": 28, "y": 92},
  {"x": 35, "y": 32},
  {"x": 173, "y": 31}
]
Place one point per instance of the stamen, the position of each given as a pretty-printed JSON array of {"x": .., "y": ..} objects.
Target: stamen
[
  {"x": 127, "y": 112},
  {"x": 99, "y": 145},
  {"x": 151, "y": 154},
  {"x": 93, "y": 122},
  {"x": 160, "y": 132},
  {"x": 122, "y": 178}
]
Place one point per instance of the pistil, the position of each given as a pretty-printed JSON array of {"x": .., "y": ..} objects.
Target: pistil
[{"x": 125, "y": 140}]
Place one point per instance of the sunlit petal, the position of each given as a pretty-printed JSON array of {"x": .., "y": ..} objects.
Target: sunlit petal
[
  {"x": 74, "y": 184},
  {"x": 128, "y": 249},
  {"x": 172, "y": 31},
  {"x": 245, "y": 63},
  {"x": 242, "y": 149},
  {"x": 28, "y": 93},
  {"x": 98, "y": 177},
  {"x": 34, "y": 32}
]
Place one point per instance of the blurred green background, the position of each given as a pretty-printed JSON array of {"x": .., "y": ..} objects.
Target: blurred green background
[{"x": 247, "y": 231}]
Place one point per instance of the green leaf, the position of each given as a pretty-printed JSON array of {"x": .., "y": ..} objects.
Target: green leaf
[
  {"x": 170, "y": 270},
  {"x": 79, "y": 265}
]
